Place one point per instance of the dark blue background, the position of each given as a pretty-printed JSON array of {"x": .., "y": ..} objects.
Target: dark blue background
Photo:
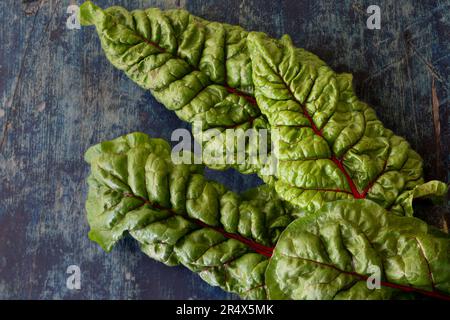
[{"x": 59, "y": 95}]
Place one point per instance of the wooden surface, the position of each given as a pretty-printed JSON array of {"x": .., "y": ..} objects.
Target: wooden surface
[{"x": 59, "y": 95}]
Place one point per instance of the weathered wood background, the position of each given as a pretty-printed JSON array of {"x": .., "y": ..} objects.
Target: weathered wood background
[{"x": 59, "y": 95}]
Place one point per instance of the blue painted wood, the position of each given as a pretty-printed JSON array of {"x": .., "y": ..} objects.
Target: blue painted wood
[{"x": 59, "y": 95}]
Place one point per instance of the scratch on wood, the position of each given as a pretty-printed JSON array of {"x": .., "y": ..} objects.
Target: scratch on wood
[
  {"x": 444, "y": 224},
  {"x": 357, "y": 7},
  {"x": 428, "y": 64},
  {"x": 22, "y": 62},
  {"x": 431, "y": 14},
  {"x": 31, "y": 6},
  {"x": 437, "y": 128},
  {"x": 56, "y": 7},
  {"x": 384, "y": 68},
  {"x": 5, "y": 132}
]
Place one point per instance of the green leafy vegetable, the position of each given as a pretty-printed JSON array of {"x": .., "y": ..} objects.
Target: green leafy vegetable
[
  {"x": 329, "y": 145},
  {"x": 330, "y": 255},
  {"x": 179, "y": 217},
  {"x": 336, "y": 162},
  {"x": 199, "y": 69}
]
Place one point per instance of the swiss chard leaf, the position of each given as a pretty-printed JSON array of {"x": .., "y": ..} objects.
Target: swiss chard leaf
[
  {"x": 199, "y": 69},
  {"x": 180, "y": 217},
  {"x": 329, "y": 145},
  {"x": 331, "y": 150},
  {"x": 332, "y": 253}
]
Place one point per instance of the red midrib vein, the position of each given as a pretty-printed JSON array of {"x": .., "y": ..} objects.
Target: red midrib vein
[
  {"x": 268, "y": 252},
  {"x": 401, "y": 287},
  {"x": 354, "y": 190},
  {"x": 350, "y": 182},
  {"x": 240, "y": 93},
  {"x": 257, "y": 247},
  {"x": 356, "y": 194}
]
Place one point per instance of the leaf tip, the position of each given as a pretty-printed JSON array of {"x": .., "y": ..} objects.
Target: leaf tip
[{"x": 89, "y": 13}]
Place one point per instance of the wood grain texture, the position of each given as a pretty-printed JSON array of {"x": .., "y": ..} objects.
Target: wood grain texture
[{"x": 59, "y": 95}]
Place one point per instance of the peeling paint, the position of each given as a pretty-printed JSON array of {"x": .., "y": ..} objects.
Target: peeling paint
[{"x": 41, "y": 106}]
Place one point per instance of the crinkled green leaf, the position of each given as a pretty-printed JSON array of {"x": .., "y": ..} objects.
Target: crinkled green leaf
[
  {"x": 330, "y": 255},
  {"x": 180, "y": 217},
  {"x": 329, "y": 145},
  {"x": 434, "y": 190},
  {"x": 199, "y": 69}
]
